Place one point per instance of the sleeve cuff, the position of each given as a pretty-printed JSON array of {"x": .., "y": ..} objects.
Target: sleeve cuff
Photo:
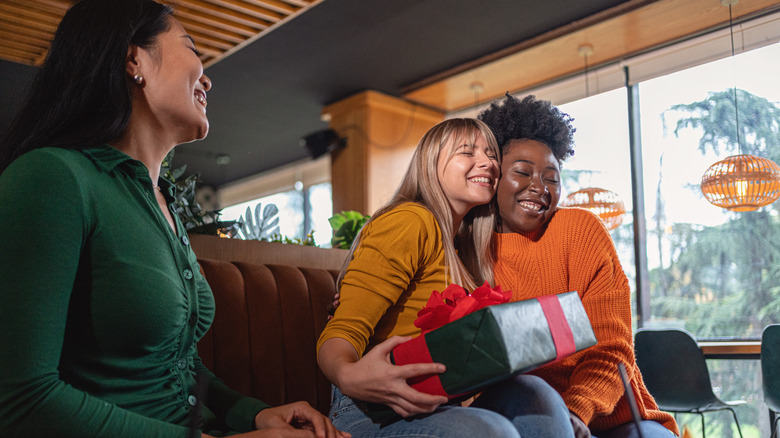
[
  {"x": 581, "y": 407},
  {"x": 241, "y": 416}
]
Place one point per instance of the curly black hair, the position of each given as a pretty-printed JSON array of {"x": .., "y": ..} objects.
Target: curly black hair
[{"x": 532, "y": 119}]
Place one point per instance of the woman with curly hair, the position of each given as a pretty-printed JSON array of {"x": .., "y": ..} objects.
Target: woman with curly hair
[{"x": 542, "y": 249}]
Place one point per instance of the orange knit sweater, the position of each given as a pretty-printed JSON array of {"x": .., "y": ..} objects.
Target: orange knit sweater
[{"x": 575, "y": 253}]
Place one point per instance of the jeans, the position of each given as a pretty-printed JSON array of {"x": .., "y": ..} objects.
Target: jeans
[
  {"x": 521, "y": 406},
  {"x": 650, "y": 429},
  {"x": 535, "y": 409}
]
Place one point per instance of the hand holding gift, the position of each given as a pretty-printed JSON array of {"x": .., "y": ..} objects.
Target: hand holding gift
[
  {"x": 358, "y": 379},
  {"x": 482, "y": 339}
]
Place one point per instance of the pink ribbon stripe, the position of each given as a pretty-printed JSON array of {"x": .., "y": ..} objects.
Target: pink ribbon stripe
[{"x": 559, "y": 327}]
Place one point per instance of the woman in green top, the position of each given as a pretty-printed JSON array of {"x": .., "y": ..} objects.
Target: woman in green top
[{"x": 102, "y": 299}]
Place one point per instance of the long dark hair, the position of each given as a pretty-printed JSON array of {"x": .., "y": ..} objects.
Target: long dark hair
[{"x": 81, "y": 96}]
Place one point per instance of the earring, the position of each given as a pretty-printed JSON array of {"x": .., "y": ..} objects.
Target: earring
[{"x": 138, "y": 79}]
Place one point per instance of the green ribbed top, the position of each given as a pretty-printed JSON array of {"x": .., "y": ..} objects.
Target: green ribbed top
[{"x": 102, "y": 305}]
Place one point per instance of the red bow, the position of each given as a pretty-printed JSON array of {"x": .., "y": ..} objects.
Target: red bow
[{"x": 455, "y": 302}]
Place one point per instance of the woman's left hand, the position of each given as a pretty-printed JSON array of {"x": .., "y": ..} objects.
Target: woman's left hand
[
  {"x": 298, "y": 415},
  {"x": 333, "y": 305}
]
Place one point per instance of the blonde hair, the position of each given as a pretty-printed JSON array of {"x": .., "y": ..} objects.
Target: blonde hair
[{"x": 421, "y": 185}]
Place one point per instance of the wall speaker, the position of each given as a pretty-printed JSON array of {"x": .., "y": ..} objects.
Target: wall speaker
[{"x": 321, "y": 142}]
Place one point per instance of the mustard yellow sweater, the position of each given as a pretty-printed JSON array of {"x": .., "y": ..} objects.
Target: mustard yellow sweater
[
  {"x": 399, "y": 263},
  {"x": 575, "y": 253}
]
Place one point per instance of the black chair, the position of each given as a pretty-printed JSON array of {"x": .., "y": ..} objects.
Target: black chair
[
  {"x": 770, "y": 372},
  {"x": 675, "y": 372}
]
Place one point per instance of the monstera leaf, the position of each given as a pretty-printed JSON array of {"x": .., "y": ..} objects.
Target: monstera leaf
[
  {"x": 346, "y": 226},
  {"x": 264, "y": 225}
]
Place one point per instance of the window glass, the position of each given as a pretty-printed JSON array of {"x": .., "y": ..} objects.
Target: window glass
[
  {"x": 712, "y": 271},
  {"x": 290, "y": 205},
  {"x": 602, "y": 159},
  {"x": 321, "y": 199},
  {"x": 291, "y": 212}
]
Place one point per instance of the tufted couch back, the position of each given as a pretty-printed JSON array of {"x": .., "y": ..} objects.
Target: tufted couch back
[{"x": 269, "y": 314}]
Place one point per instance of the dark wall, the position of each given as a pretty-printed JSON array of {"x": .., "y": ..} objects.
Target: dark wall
[{"x": 15, "y": 81}]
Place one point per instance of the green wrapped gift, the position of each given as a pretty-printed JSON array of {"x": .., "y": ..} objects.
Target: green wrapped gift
[{"x": 497, "y": 342}]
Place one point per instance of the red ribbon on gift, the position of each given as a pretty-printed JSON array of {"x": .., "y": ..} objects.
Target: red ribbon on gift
[
  {"x": 416, "y": 351},
  {"x": 559, "y": 326},
  {"x": 454, "y": 303},
  {"x": 442, "y": 308}
]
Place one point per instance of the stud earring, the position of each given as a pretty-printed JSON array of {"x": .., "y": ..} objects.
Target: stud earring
[{"x": 138, "y": 79}]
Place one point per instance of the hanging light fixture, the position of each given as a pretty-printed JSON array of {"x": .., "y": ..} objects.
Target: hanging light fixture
[
  {"x": 741, "y": 182},
  {"x": 604, "y": 203}
]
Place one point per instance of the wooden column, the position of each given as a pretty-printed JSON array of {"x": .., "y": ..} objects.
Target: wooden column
[{"x": 382, "y": 133}]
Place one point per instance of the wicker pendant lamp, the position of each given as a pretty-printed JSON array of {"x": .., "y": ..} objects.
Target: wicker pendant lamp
[
  {"x": 741, "y": 182},
  {"x": 604, "y": 203}
]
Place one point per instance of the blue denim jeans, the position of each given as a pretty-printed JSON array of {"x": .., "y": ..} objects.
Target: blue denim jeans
[
  {"x": 535, "y": 409},
  {"x": 521, "y": 406},
  {"x": 650, "y": 429}
]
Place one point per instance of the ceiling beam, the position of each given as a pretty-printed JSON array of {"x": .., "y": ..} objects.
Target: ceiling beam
[{"x": 618, "y": 33}]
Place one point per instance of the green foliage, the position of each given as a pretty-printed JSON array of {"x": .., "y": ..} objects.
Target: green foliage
[
  {"x": 759, "y": 123},
  {"x": 195, "y": 219},
  {"x": 346, "y": 226},
  {"x": 723, "y": 280},
  {"x": 306, "y": 241},
  {"x": 264, "y": 225}
]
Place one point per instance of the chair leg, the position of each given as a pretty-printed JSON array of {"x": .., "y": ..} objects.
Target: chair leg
[
  {"x": 703, "y": 432},
  {"x": 736, "y": 421},
  {"x": 773, "y": 417}
]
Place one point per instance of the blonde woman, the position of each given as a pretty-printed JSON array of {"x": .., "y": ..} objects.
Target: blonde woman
[{"x": 436, "y": 230}]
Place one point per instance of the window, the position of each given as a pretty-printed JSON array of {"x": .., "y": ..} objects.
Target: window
[
  {"x": 712, "y": 271},
  {"x": 601, "y": 159},
  {"x": 292, "y": 205},
  {"x": 301, "y": 192}
]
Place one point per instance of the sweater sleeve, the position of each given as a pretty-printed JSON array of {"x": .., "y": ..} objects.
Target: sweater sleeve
[
  {"x": 391, "y": 250},
  {"x": 232, "y": 408},
  {"x": 595, "y": 385},
  {"x": 43, "y": 225}
]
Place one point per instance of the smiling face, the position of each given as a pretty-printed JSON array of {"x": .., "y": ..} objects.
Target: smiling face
[
  {"x": 468, "y": 173},
  {"x": 530, "y": 186},
  {"x": 174, "y": 85}
]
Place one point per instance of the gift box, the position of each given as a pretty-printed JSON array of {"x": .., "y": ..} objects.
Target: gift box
[{"x": 495, "y": 342}]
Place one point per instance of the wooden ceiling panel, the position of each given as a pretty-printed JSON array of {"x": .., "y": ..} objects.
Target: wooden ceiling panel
[
  {"x": 630, "y": 29},
  {"x": 9, "y": 34},
  {"x": 250, "y": 9},
  {"x": 217, "y": 26},
  {"x": 17, "y": 55},
  {"x": 208, "y": 32},
  {"x": 45, "y": 15},
  {"x": 212, "y": 9},
  {"x": 241, "y": 31},
  {"x": 28, "y": 19}
]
